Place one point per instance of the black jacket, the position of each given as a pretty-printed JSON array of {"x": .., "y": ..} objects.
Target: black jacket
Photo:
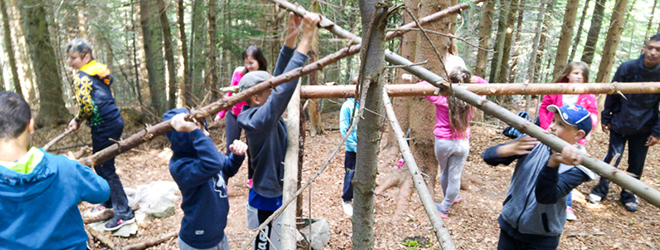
[{"x": 639, "y": 113}]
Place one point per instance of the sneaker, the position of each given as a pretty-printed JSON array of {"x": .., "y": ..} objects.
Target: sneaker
[
  {"x": 444, "y": 213},
  {"x": 348, "y": 208},
  {"x": 594, "y": 198},
  {"x": 458, "y": 198},
  {"x": 630, "y": 206},
  {"x": 570, "y": 215},
  {"x": 96, "y": 211},
  {"x": 249, "y": 183},
  {"x": 116, "y": 223}
]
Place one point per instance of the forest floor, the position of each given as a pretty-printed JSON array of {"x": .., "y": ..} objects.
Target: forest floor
[{"x": 473, "y": 221}]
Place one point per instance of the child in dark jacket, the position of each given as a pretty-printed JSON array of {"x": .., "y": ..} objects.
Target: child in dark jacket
[
  {"x": 265, "y": 129},
  {"x": 201, "y": 172},
  {"x": 534, "y": 211},
  {"x": 40, "y": 192}
]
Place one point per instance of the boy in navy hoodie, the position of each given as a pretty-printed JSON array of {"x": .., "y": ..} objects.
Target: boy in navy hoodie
[
  {"x": 265, "y": 129},
  {"x": 534, "y": 211},
  {"x": 39, "y": 192},
  {"x": 201, "y": 172}
]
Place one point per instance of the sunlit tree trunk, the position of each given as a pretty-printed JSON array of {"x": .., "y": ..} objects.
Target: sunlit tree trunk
[
  {"x": 578, "y": 34},
  {"x": 516, "y": 50},
  {"x": 506, "y": 51},
  {"x": 184, "y": 89},
  {"x": 198, "y": 47},
  {"x": 505, "y": 6},
  {"x": 9, "y": 47},
  {"x": 212, "y": 80},
  {"x": 314, "y": 107},
  {"x": 612, "y": 41},
  {"x": 52, "y": 111},
  {"x": 566, "y": 37},
  {"x": 169, "y": 56},
  {"x": 648, "y": 28}
]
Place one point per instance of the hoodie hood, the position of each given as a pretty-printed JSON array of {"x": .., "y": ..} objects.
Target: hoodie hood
[
  {"x": 182, "y": 144},
  {"x": 26, "y": 178}
]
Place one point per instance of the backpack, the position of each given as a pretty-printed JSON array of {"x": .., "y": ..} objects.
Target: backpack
[{"x": 512, "y": 132}]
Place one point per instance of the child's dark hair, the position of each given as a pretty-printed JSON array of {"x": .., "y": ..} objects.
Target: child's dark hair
[
  {"x": 15, "y": 115},
  {"x": 458, "y": 109},
  {"x": 256, "y": 53},
  {"x": 563, "y": 78},
  {"x": 81, "y": 46}
]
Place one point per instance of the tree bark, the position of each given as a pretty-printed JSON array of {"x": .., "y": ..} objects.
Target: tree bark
[
  {"x": 374, "y": 20},
  {"x": 566, "y": 37},
  {"x": 169, "y": 56},
  {"x": 212, "y": 81},
  {"x": 153, "y": 52},
  {"x": 291, "y": 161},
  {"x": 9, "y": 47},
  {"x": 52, "y": 111},
  {"x": 184, "y": 89},
  {"x": 198, "y": 49},
  {"x": 422, "y": 118},
  {"x": 484, "y": 38},
  {"x": 594, "y": 32},
  {"x": 401, "y": 90},
  {"x": 612, "y": 41},
  {"x": 544, "y": 31},
  {"x": 505, "y": 6},
  {"x": 506, "y": 52},
  {"x": 314, "y": 107},
  {"x": 516, "y": 50},
  {"x": 578, "y": 34}
]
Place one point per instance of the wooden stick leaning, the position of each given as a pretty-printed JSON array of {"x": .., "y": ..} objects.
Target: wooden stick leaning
[
  {"x": 151, "y": 243},
  {"x": 288, "y": 220},
  {"x": 398, "y": 90},
  {"x": 58, "y": 138},
  {"x": 439, "y": 228}
]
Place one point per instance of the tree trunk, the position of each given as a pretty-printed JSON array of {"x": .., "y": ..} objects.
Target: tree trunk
[
  {"x": 197, "y": 48},
  {"x": 374, "y": 21},
  {"x": 153, "y": 52},
  {"x": 516, "y": 50},
  {"x": 612, "y": 41},
  {"x": 452, "y": 19},
  {"x": 291, "y": 163},
  {"x": 212, "y": 80},
  {"x": 136, "y": 63},
  {"x": 505, "y": 6},
  {"x": 9, "y": 47},
  {"x": 544, "y": 31},
  {"x": 422, "y": 118},
  {"x": 504, "y": 64},
  {"x": 566, "y": 37},
  {"x": 314, "y": 107},
  {"x": 169, "y": 56},
  {"x": 52, "y": 111},
  {"x": 484, "y": 38},
  {"x": 594, "y": 32},
  {"x": 184, "y": 89},
  {"x": 578, "y": 34}
]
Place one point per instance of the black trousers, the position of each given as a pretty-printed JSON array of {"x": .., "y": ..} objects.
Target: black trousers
[
  {"x": 636, "y": 159},
  {"x": 101, "y": 135},
  {"x": 508, "y": 242}
]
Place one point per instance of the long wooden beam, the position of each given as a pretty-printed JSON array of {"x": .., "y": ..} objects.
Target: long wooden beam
[{"x": 399, "y": 90}]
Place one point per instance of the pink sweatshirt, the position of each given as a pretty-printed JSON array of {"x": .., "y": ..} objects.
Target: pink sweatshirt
[
  {"x": 588, "y": 101},
  {"x": 442, "y": 130},
  {"x": 235, "y": 79}
]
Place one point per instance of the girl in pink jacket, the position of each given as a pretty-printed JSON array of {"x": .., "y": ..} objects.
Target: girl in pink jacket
[
  {"x": 575, "y": 72},
  {"x": 253, "y": 59}
]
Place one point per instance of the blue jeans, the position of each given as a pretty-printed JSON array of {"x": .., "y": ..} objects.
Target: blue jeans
[
  {"x": 569, "y": 199},
  {"x": 101, "y": 135},
  {"x": 349, "y": 167}
]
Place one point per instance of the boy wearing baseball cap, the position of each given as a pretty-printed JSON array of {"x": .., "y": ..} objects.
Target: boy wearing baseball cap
[{"x": 534, "y": 211}]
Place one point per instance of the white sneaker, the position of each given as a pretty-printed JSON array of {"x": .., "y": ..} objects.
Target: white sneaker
[
  {"x": 348, "y": 208},
  {"x": 594, "y": 198},
  {"x": 570, "y": 215}
]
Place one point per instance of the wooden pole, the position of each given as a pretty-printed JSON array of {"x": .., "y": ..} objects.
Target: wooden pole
[
  {"x": 398, "y": 90},
  {"x": 58, "y": 138},
  {"x": 439, "y": 228},
  {"x": 151, "y": 243},
  {"x": 288, "y": 220}
]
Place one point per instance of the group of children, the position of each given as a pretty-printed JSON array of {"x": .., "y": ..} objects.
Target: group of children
[{"x": 533, "y": 214}]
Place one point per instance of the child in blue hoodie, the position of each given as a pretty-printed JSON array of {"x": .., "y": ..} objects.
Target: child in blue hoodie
[
  {"x": 346, "y": 115},
  {"x": 265, "y": 130},
  {"x": 39, "y": 192},
  {"x": 201, "y": 172},
  {"x": 534, "y": 211}
]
